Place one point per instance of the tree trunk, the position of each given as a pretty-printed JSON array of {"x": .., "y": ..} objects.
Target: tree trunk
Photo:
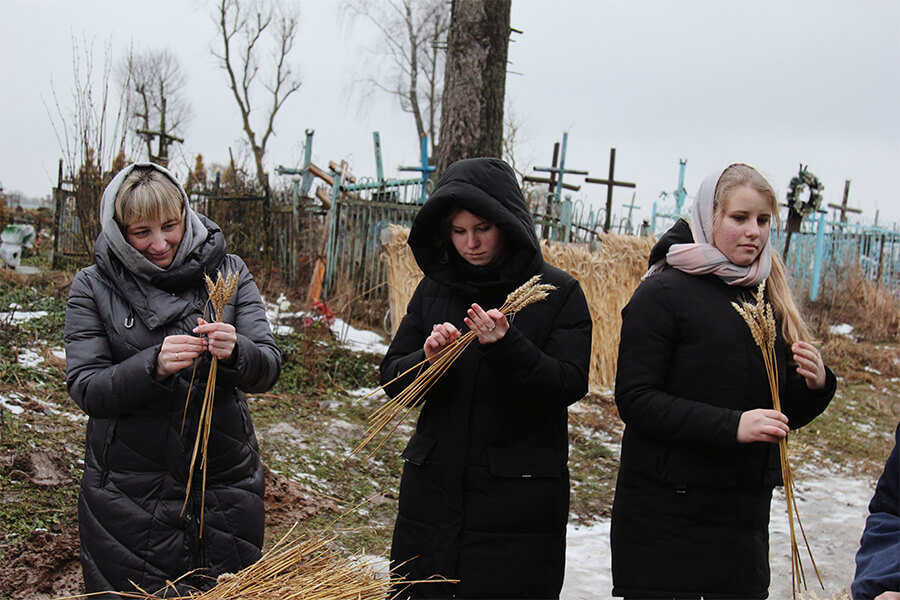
[{"x": 474, "y": 81}]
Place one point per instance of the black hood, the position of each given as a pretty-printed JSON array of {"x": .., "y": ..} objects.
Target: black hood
[
  {"x": 486, "y": 187},
  {"x": 679, "y": 233}
]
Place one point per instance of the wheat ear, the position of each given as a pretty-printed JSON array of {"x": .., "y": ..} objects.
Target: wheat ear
[
  {"x": 760, "y": 318},
  {"x": 402, "y": 404},
  {"x": 220, "y": 293}
]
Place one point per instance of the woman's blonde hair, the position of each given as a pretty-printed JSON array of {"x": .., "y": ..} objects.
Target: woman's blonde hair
[
  {"x": 148, "y": 194},
  {"x": 778, "y": 288}
]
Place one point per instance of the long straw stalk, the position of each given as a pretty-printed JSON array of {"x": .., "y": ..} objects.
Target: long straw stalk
[
  {"x": 220, "y": 293},
  {"x": 761, "y": 321}
]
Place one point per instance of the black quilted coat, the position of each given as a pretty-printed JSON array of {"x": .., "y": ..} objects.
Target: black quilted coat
[
  {"x": 484, "y": 494},
  {"x": 691, "y": 510},
  {"x": 137, "y": 458}
]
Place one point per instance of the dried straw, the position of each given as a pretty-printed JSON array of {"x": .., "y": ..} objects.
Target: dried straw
[
  {"x": 306, "y": 567},
  {"x": 761, "y": 321},
  {"x": 528, "y": 293},
  {"x": 220, "y": 293},
  {"x": 608, "y": 271}
]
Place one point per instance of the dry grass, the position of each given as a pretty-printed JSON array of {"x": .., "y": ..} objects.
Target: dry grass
[
  {"x": 608, "y": 274},
  {"x": 853, "y": 298}
]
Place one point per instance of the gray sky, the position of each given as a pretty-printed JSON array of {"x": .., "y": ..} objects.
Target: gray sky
[{"x": 773, "y": 83}]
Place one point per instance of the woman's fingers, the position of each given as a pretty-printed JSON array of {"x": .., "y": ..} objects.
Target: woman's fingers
[
  {"x": 442, "y": 335},
  {"x": 762, "y": 425},
  {"x": 810, "y": 365},
  {"x": 489, "y": 327}
]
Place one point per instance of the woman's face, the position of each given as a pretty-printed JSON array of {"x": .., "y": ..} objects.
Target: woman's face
[
  {"x": 743, "y": 229},
  {"x": 478, "y": 241},
  {"x": 155, "y": 239}
]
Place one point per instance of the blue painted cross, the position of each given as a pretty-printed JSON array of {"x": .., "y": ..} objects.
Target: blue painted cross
[{"x": 425, "y": 169}]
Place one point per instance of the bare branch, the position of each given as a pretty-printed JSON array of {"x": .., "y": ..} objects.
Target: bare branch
[{"x": 244, "y": 34}]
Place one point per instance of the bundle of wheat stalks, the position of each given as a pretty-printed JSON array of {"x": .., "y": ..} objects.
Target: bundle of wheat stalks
[
  {"x": 528, "y": 293},
  {"x": 305, "y": 567},
  {"x": 761, "y": 321},
  {"x": 220, "y": 293}
]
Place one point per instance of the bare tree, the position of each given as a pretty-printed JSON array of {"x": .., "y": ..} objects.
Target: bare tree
[
  {"x": 414, "y": 37},
  {"x": 475, "y": 80},
  {"x": 84, "y": 132},
  {"x": 244, "y": 29},
  {"x": 83, "y": 129},
  {"x": 153, "y": 84}
]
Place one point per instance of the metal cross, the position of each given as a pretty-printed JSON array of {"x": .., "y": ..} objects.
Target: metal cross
[
  {"x": 555, "y": 187},
  {"x": 610, "y": 183},
  {"x": 425, "y": 169}
]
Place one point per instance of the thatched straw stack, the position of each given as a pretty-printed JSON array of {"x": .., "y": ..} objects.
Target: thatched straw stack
[{"x": 608, "y": 275}]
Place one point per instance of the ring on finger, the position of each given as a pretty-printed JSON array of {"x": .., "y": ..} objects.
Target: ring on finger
[
  {"x": 491, "y": 328},
  {"x": 178, "y": 356}
]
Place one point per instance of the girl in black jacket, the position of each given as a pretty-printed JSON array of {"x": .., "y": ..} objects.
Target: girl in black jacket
[
  {"x": 699, "y": 452},
  {"x": 484, "y": 495},
  {"x": 133, "y": 331}
]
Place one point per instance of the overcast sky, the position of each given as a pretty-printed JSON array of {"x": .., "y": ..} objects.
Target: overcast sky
[{"x": 773, "y": 83}]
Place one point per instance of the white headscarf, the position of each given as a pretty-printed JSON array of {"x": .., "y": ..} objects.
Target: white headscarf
[{"x": 702, "y": 257}]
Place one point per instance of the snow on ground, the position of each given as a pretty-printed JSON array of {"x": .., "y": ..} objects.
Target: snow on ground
[
  {"x": 833, "y": 510},
  {"x": 16, "y": 315},
  {"x": 11, "y": 403},
  {"x": 843, "y": 329},
  {"x": 358, "y": 339}
]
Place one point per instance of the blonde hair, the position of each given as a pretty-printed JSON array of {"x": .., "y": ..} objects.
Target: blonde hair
[
  {"x": 778, "y": 289},
  {"x": 148, "y": 194}
]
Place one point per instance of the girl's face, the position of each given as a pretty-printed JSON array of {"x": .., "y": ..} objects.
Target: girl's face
[
  {"x": 156, "y": 240},
  {"x": 478, "y": 241},
  {"x": 743, "y": 228}
]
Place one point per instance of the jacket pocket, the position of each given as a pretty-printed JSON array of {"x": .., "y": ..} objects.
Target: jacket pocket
[
  {"x": 524, "y": 462},
  {"x": 418, "y": 449}
]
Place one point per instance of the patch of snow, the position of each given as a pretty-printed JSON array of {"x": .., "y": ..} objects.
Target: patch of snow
[
  {"x": 8, "y": 403},
  {"x": 29, "y": 358},
  {"x": 358, "y": 339},
  {"x": 833, "y": 509},
  {"x": 869, "y": 369},
  {"x": 16, "y": 316},
  {"x": 842, "y": 329}
]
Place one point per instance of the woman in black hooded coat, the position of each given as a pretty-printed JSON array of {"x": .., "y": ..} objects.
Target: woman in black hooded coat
[{"x": 484, "y": 496}]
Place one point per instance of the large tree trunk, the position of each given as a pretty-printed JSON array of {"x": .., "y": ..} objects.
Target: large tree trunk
[{"x": 474, "y": 81}]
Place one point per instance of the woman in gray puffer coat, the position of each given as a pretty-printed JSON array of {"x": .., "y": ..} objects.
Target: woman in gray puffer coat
[{"x": 134, "y": 328}]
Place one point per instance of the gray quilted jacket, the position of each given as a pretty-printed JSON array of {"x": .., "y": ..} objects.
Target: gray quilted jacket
[{"x": 137, "y": 456}]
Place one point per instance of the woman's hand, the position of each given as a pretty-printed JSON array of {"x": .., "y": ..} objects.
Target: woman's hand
[
  {"x": 762, "y": 425},
  {"x": 488, "y": 326},
  {"x": 809, "y": 364},
  {"x": 177, "y": 352},
  {"x": 442, "y": 335},
  {"x": 220, "y": 338}
]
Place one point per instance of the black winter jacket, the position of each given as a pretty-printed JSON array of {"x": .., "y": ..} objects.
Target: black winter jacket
[
  {"x": 691, "y": 509},
  {"x": 136, "y": 457},
  {"x": 485, "y": 491}
]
